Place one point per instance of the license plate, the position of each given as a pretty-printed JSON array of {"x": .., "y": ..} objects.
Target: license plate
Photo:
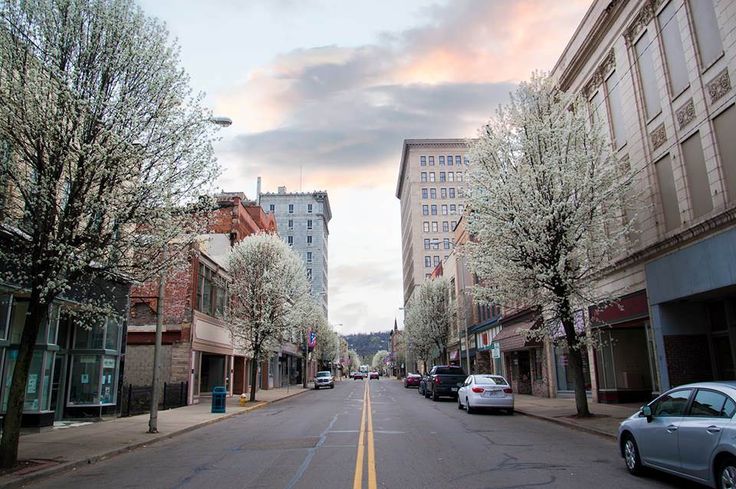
[
  {"x": 453, "y": 389},
  {"x": 493, "y": 394}
]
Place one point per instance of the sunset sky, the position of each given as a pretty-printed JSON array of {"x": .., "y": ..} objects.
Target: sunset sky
[{"x": 332, "y": 88}]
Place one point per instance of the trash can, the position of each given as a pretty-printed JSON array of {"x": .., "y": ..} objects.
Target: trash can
[{"x": 218, "y": 399}]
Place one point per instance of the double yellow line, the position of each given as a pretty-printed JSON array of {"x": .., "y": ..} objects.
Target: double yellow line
[{"x": 366, "y": 431}]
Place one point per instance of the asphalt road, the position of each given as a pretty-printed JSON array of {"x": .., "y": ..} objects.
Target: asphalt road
[{"x": 402, "y": 441}]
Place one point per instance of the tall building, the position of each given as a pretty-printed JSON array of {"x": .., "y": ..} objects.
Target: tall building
[
  {"x": 660, "y": 75},
  {"x": 430, "y": 188},
  {"x": 302, "y": 219}
]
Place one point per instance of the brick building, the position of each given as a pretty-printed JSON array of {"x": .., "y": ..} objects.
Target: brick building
[{"x": 197, "y": 348}]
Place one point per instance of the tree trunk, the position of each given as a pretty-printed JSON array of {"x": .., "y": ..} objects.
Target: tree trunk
[
  {"x": 575, "y": 364},
  {"x": 253, "y": 377},
  {"x": 156, "y": 376},
  {"x": 37, "y": 313}
]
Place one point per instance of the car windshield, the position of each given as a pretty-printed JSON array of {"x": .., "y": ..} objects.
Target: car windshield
[
  {"x": 450, "y": 370},
  {"x": 323, "y": 374},
  {"x": 488, "y": 379}
]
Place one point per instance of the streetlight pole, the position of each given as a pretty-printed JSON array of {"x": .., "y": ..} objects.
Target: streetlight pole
[{"x": 156, "y": 377}]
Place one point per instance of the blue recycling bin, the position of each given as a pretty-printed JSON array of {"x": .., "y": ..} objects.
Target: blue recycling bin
[{"x": 218, "y": 399}]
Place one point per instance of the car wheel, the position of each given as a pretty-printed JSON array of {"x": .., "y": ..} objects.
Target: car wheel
[
  {"x": 459, "y": 404},
  {"x": 468, "y": 409},
  {"x": 316, "y": 388},
  {"x": 435, "y": 397},
  {"x": 726, "y": 474},
  {"x": 426, "y": 393},
  {"x": 631, "y": 455}
]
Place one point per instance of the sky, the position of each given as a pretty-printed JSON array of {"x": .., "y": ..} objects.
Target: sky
[{"x": 323, "y": 93}]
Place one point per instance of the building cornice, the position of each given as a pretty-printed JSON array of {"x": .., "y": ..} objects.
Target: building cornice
[{"x": 459, "y": 143}]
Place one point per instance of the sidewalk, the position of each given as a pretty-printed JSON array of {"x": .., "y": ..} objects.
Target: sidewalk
[
  {"x": 604, "y": 423},
  {"x": 62, "y": 449}
]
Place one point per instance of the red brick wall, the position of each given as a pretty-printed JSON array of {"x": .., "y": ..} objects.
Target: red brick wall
[
  {"x": 177, "y": 299},
  {"x": 688, "y": 359}
]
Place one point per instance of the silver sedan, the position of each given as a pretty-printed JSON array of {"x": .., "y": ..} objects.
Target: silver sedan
[
  {"x": 688, "y": 431},
  {"x": 485, "y": 391}
]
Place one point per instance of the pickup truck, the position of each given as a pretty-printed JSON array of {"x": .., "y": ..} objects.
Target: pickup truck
[{"x": 443, "y": 380}]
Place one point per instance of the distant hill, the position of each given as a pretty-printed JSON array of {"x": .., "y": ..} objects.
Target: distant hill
[{"x": 367, "y": 344}]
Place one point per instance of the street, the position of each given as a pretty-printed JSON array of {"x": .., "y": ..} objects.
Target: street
[{"x": 313, "y": 441}]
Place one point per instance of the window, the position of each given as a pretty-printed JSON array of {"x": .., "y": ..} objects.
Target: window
[
  {"x": 615, "y": 108},
  {"x": 650, "y": 93},
  {"x": 309, "y": 240},
  {"x": 426, "y": 244},
  {"x": 290, "y": 240},
  {"x": 460, "y": 208},
  {"x": 460, "y": 192},
  {"x": 450, "y": 176},
  {"x": 422, "y": 161},
  {"x": 445, "y": 227},
  {"x": 723, "y": 125},
  {"x": 442, "y": 161},
  {"x": 446, "y": 243},
  {"x": 291, "y": 223},
  {"x": 425, "y": 226},
  {"x": 425, "y": 193},
  {"x": 272, "y": 207},
  {"x": 453, "y": 209},
  {"x": 211, "y": 292},
  {"x": 672, "y": 404},
  {"x": 674, "y": 53},
  {"x": 309, "y": 274},
  {"x": 458, "y": 161},
  {"x": 431, "y": 176},
  {"x": 309, "y": 224},
  {"x": 466, "y": 161},
  {"x": 443, "y": 176},
  {"x": 434, "y": 209},
  {"x": 423, "y": 176},
  {"x": 706, "y": 32},
  {"x": 431, "y": 161},
  {"x": 436, "y": 244},
  {"x": 697, "y": 175},
  {"x": 427, "y": 261},
  {"x": 436, "y": 260},
  {"x": 459, "y": 176},
  {"x": 433, "y": 193},
  {"x": 667, "y": 193},
  {"x": 444, "y": 209},
  {"x": 309, "y": 257},
  {"x": 449, "y": 159},
  {"x": 434, "y": 226},
  {"x": 453, "y": 224},
  {"x": 291, "y": 208},
  {"x": 452, "y": 192},
  {"x": 443, "y": 193},
  {"x": 309, "y": 208},
  {"x": 425, "y": 210},
  {"x": 710, "y": 404}
]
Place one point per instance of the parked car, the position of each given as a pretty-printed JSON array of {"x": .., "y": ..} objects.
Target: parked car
[
  {"x": 373, "y": 375},
  {"x": 485, "y": 391},
  {"x": 412, "y": 380},
  {"x": 688, "y": 431},
  {"x": 443, "y": 380},
  {"x": 324, "y": 379},
  {"x": 358, "y": 375}
]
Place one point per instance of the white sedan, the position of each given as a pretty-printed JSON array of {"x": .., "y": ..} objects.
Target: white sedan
[{"x": 485, "y": 391}]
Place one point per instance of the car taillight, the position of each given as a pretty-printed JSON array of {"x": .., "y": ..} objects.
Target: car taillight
[
  {"x": 508, "y": 390},
  {"x": 478, "y": 390},
  {"x": 436, "y": 380}
]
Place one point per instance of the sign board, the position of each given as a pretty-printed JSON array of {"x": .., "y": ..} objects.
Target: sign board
[{"x": 495, "y": 350}]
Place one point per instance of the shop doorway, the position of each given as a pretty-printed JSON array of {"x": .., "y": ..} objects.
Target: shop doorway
[{"x": 213, "y": 372}]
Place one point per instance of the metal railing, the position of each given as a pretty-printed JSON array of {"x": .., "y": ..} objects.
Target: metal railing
[{"x": 137, "y": 399}]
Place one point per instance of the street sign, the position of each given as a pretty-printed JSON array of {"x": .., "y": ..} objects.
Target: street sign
[{"x": 495, "y": 350}]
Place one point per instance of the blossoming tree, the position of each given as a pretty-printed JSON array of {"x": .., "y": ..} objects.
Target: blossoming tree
[
  {"x": 429, "y": 317},
  {"x": 549, "y": 206}
]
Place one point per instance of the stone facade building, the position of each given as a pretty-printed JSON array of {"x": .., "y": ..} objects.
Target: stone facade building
[
  {"x": 303, "y": 222},
  {"x": 660, "y": 75}
]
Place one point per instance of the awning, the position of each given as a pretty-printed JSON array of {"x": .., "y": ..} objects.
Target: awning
[
  {"x": 454, "y": 355},
  {"x": 512, "y": 337}
]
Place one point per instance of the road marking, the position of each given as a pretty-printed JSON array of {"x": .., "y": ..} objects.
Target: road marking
[
  {"x": 371, "y": 448},
  {"x": 358, "y": 478}
]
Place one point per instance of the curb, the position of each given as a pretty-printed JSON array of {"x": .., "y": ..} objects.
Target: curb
[
  {"x": 68, "y": 466},
  {"x": 569, "y": 424}
]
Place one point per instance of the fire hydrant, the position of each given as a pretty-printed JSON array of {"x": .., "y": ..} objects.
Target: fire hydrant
[{"x": 243, "y": 399}]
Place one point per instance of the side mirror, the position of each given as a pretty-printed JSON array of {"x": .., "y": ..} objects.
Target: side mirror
[{"x": 646, "y": 411}]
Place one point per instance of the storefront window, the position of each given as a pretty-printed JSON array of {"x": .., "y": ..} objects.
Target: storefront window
[
  {"x": 85, "y": 379},
  {"x": 623, "y": 360},
  {"x": 37, "y": 385},
  {"x": 112, "y": 335},
  {"x": 565, "y": 381},
  {"x": 5, "y": 302},
  {"x": 107, "y": 395},
  {"x": 89, "y": 338}
]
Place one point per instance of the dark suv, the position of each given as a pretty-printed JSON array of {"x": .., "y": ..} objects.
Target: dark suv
[{"x": 443, "y": 380}]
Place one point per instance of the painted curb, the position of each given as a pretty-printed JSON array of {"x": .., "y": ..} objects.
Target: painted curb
[
  {"x": 68, "y": 466},
  {"x": 569, "y": 424}
]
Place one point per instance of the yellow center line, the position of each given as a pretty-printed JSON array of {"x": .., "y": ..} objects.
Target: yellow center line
[
  {"x": 371, "y": 448},
  {"x": 358, "y": 478}
]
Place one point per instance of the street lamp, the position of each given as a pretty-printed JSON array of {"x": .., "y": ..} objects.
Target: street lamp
[{"x": 153, "y": 415}]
